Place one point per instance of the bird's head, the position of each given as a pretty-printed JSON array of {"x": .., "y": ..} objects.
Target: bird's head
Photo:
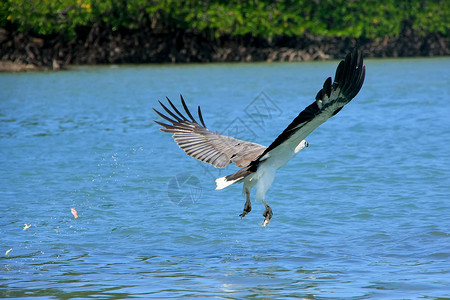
[{"x": 300, "y": 146}]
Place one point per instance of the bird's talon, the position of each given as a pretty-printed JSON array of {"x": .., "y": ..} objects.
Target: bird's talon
[
  {"x": 244, "y": 213},
  {"x": 247, "y": 208},
  {"x": 268, "y": 215}
]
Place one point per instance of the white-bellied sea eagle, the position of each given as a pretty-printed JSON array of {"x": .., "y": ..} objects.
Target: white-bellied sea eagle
[{"x": 259, "y": 163}]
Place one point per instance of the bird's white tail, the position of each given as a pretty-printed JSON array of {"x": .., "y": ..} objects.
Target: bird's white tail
[{"x": 222, "y": 182}]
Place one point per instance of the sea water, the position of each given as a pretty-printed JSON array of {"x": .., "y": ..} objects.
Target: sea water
[{"x": 363, "y": 212}]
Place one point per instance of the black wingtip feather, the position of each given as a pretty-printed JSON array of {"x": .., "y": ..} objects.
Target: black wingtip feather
[
  {"x": 187, "y": 109},
  {"x": 327, "y": 87},
  {"x": 359, "y": 82},
  {"x": 326, "y": 90},
  {"x": 319, "y": 95},
  {"x": 347, "y": 72},
  {"x": 170, "y": 112},
  {"x": 176, "y": 110},
  {"x": 200, "y": 116},
  {"x": 163, "y": 125},
  {"x": 165, "y": 117},
  {"x": 350, "y": 74},
  {"x": 339, "y": 72}
]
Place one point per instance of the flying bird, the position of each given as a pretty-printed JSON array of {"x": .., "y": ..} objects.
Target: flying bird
[{"x": 259, "y": 163}]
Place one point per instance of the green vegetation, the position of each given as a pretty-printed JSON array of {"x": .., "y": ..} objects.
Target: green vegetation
[{"x": 262, "y": 18}]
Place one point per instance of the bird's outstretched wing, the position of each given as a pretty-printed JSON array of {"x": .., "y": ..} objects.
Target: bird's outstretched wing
[
  {"x": 330, "y": 100},
  {"x": 197, "y": 141}
]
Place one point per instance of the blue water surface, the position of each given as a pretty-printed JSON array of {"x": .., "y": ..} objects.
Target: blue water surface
[{"x": 363, "y": 213}]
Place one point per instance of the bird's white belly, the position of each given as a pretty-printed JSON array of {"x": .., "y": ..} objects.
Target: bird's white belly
[{"x": 263, "y": 178}]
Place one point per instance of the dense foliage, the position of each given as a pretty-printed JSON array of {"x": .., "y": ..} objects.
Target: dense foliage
[{"x": 262, "y": 18}]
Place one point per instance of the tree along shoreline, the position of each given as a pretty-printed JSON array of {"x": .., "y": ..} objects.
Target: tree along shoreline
[{"x": 102, "y": 45}]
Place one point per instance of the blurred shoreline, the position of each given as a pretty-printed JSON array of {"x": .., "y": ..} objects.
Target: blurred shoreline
[{"x": 99, "y": 46}]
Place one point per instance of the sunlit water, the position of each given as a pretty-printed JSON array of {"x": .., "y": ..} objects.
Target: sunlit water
[{"x": 364, "y": 212}]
